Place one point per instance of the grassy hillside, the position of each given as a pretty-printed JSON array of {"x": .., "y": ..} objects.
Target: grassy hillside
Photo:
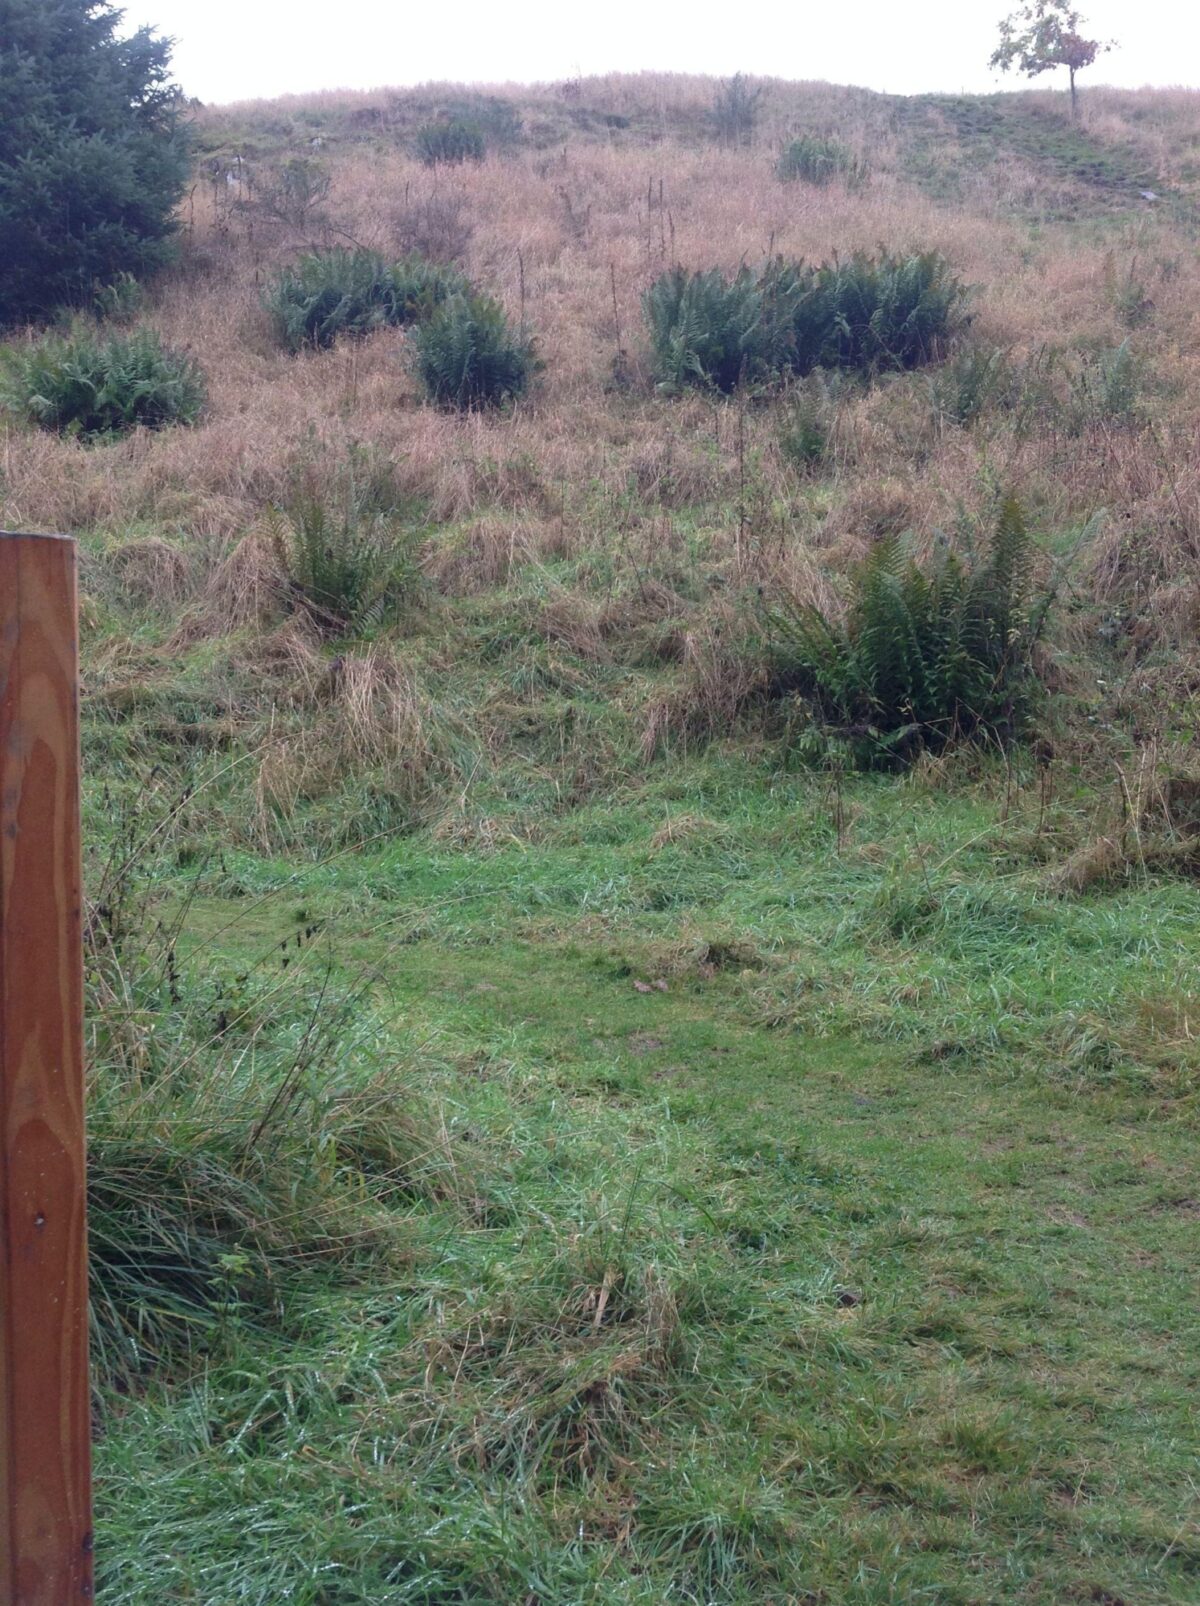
[{"x": 559, "y": 1133}]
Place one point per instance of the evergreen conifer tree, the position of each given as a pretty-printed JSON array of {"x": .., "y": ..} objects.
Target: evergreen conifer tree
[{"x": 93, "y": 153}]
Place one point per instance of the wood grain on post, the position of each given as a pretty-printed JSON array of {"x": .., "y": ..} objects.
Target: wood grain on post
[{"x": 45, "y": 1471}]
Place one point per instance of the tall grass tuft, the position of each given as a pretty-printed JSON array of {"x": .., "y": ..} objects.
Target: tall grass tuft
[
  {"x": 926, "y": 653},
  {"x": 346, "y": 547},
  {"x": 240, "y": 1140},
  {"x": 330, "y": 293},
  {"x": 94, "y": 385}
]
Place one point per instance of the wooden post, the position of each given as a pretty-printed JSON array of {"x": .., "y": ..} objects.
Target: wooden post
[{"x": 45, "y": 1458}]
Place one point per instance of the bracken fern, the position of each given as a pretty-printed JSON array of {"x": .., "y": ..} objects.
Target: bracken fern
[
  {"x": 330, "y": 293},
  {"x": 347, "y": 554},
  {"x": 926, "y": 654},
  {"x": 94, "y": 385},
  {"x": 888, "y": 312},
  {"x": 867, "y": 314},
  {"x": 817, "y": 161},
  {"x": 452, "y": 142},
  {"x": 705, "y": 329},
  {"x": 468, "y": 356}
]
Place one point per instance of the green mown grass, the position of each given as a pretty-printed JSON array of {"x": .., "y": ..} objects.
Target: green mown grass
[
  {"x": 991, "y": 127},
  {"x": 726, "y": 1213}
]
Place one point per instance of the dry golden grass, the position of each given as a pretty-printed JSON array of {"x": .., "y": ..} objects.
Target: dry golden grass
[
  {"x": 363, "y": 711},
  {"x": 570, "y": 235}
]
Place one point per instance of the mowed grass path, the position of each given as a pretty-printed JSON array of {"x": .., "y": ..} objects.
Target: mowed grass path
[{"x": 813, "y": 1223}]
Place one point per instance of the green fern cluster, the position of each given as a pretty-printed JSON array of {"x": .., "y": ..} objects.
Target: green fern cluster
[
  {"x": 468, "y": 355},
  {"x": 346, "y": 548},
  {"x": 926, "y": 654},
  {"x": 453, "y": 141},
  {"x": 94, "y": 385},
  {"x": 465, "y": 352},
  {"x": 865, "y": 314},
  {"x": 330, "y": 293},
  {"x": 882, "y": 313},
  {"x": 120, "y": 301},
  {"x": 969, "y": 382},
  {"x": 818, "y": 161},
  {"x": 1106, "y": 388},
  {"x": 806, "y": 426},
  {"x": 705, "y": 329}
]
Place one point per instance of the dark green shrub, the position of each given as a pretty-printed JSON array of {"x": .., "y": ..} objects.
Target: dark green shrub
[
  {"x": 93, "y": 154},
  {"x": 92, "y": 385},
  {"x": 926, "y": 654},
  {"x": 735, "y": 111},
  {"x": 818, "y": 161},
  {"x": 330, "y": 293},
  {"x": 346, "y": 546},
  {"x": 469, "y": 356},
  {"x": 866, "y": 314},
  {"x": 453, "y": 141},
  {"x": 705, "y": 329}
]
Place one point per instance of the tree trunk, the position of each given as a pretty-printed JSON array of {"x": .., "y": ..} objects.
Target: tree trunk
[{"x": 1074, "y": 100}]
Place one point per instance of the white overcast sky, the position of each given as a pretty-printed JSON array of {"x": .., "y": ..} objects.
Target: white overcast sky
[{"x": 242, "y": 49}]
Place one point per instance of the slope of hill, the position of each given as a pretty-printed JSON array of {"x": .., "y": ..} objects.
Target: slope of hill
[{"x": 558, "y": 1133}]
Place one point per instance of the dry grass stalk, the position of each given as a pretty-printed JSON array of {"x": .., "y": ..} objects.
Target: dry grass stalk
[
  {"x": 561, "y": 468},
  {"x": 365, "y": 713},
  {"x": 718, "y": 678}
]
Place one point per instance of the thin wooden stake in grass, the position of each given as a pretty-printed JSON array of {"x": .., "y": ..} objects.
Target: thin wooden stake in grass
[{"x": 45, "y": 1460}]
